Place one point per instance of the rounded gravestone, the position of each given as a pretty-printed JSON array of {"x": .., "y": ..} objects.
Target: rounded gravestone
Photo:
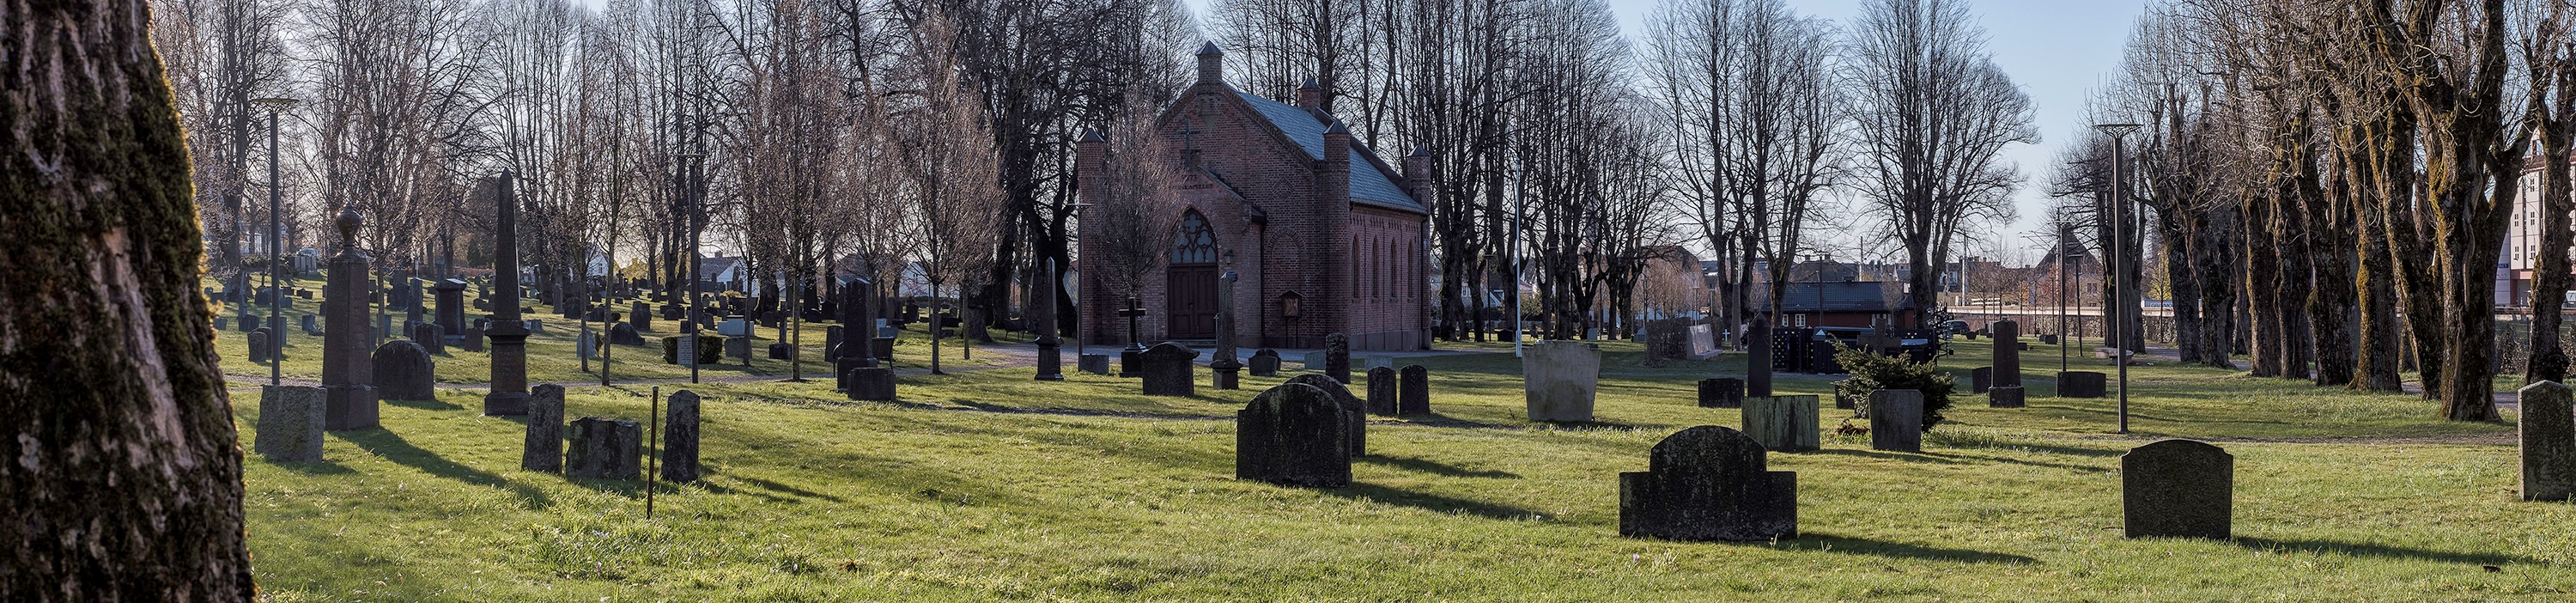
[
  {"x": 1354, "y": 410},
  {"x": 1708, "y": 483},
  {"x": 403, "y": 371},
  {"x": 1293, "y": 434}
]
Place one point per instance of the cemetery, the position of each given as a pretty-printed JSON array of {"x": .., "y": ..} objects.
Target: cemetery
[{"x": 984, "y": 483}]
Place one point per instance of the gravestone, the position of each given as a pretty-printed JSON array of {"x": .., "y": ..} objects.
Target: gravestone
[
  {"x": 1295, "y": 434},
  {"x": 1354, "y": 410},
  {"x": 1721, "y": 393},
  {"x": 1413, "y": 390},
  {"x": 2007, "y": 351},
  {"x": 1703, "y": 342},
  {"x": 1757, "y": 369},
  {"x": 831, "y": 342},
  {"x": 1896, "y": 420},
  {"x": 2178, "y": 489},
  {"x": 1559, "y": 379},
  {"x": 872, "y": 383},
  {"x": 1265, "y": 363},
  {"x": 451, "y": 305},
  {"x": 688, "y": 350},
  {"x": 306, "y": 322},
  {"x": 472, "y": 340},
  {"x": 738, "y": 347},
  {"x": 605, "y": 448},
  {"x": 782, "y": 351},
  {"x": 2548, "y": 433},
  {"x": 680, "y": 437},
  {"x": 1097, "y": 364},
  {"x": 259, "y": 345},
  {"x": 733, "y": 327},
  {"x": 1981, "y": 379},
  {"x": 1313, "y": 361},
  {"x": 2079, "y": 384},
  {"x": 585, "y": 345},
  {"x": 1843, "y": 401},
  {"x": 427, "y": 335},
  {"x": 543, "y": 448},
  {"x": 1379, "y": 362},
  {"x": 1166, "y": 370},
  {"x": 1708, "y": 483},
  {"x": 1337, "y": 357},
  {"x": 2004, "y": 396},
  {"x": 1381, "y": 391},
  {"x": 290, "y": 423},
  {"x": 624, "y": 334},
  {"x": 2048, "y": 338},
  {"x": 1782, "y": 423},
  {"x": 641, "y": 317},
  {"x": 247, "y": 322},
  {"x": 222, "y": 323},
  {"x": 1226, "y": 368},
  {"x": 403, "y": 371}
]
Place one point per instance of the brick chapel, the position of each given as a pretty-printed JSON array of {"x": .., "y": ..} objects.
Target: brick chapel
[{"x": 1323, "y": 235}]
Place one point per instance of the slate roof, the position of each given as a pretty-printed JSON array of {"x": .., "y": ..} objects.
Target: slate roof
[
  {"x": 1846, "y": 296},
  {"x": 1370, "y": 183}
]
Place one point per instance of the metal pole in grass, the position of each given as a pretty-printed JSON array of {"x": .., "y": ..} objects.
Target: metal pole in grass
[
  {"x": 2119, "y": 272},
  {"x": 653, "y": 454}
]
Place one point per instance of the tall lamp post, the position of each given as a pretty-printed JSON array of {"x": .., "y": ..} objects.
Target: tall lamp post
[
  {"x": 690, "y": 189},
  {"x": 1520, "y": 207},
  {"x": 1055, "y": 278},
  {"x": 276, "y": 249},
  {"x": 2118, "y": 271}
]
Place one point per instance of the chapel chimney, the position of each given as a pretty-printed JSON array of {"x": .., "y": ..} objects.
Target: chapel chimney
[
  {"x": 1417, "y": 175},
  {"x": 1211, "y": 64},
  {"x": 1311, "y": 96}
]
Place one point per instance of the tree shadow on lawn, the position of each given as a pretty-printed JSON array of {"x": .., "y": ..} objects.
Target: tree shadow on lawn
[
  {"x": 1814, "y": 541},
  {"x": 2350, "y": 549},
  {"x": 1433, "y": 467},
  {"x": 423, "y": 404},
  {"x": 390, "y": 446},
  {"x": 321, "y": 467},
  {"x": 1430, "y": 502},
  {"x": 1913, "y": 457}
]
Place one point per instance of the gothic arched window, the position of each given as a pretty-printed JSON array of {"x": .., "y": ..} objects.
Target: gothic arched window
[{"x": 1196, "y": 242}]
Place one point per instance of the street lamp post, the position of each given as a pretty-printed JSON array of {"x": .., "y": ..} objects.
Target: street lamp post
[
  {"x": 691, "y": 188},
  {"x": 1520, "y": 209},
  {"x": 1055, "y": 278},
  {"x": 2117, "y": 269},
  {"x": 276, "y": 249}
]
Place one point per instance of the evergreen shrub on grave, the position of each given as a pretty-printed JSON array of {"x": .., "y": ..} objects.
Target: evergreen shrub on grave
[{"x": 1871, "y": 372}]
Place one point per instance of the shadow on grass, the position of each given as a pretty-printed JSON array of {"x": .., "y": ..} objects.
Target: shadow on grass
[
  {"x": 1442, "y": 420},
  {"x": 785, "y": 489},
  {"x": 314, "y": 468},
  {"x": 392, "y": 447},
  {"x": 424, "y": 404},
  {"x": 1812, "y": 541},
  {"x": 1433, "y": 467},
  {"x": 1430, "y": 502},
  {"x": 2350, "y": 549},
  {"x": 1914, "y": 457}
]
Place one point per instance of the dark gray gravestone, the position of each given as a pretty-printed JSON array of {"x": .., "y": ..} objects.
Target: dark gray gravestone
[
  {"x": 1354, "y": 410},
  {"x": 1782, "y": 423},
  {"x": 1896, "y": 420},
  {"x": 782, "y": 351},
  {"x": 290, "y": 423},
  {"x": 1097, "y": 364},
  {"x": 680, "y": 438},
  {"x": 642, "y": 317},
  {"x": 428, "y": 336},
  {"x": 605, "y": 448},
  {"x": 738, "y": 347},
  {"x": 624, "y": 334},
  {"x": 1413, "y": 390},
  {"x": 306, "y": 322},
  {"x": 543, "y": 449},
  {"x": 1981, "y": 379},
  {"x": 1265, "y": 363},
  {"x": 1757, "y": 368},
  {"x": 1166, "y": 370},
  {"x": 2079, "y": 384},
  {"x": 1295, "y": 434},
  {"x": 2007, "y": 350},
  {"x": 2179, "y": 489},
  {"x": 403, "y": 371},
  {"x": 1337, "y": 357},
  {"x": 2048, "y": 339},
  {"x": 2004, "y": 396},
  {"x": 1381, "y": 391},
  {"x": 222, "y": 322},
  {"x": 472, "y": 340},
  {"x": 872, "y": 383},
  {"x": 1721, "y": 393},
  {"x": 259, "y": 345},
  {"x": 1708, "y": 483},
  {"x": 2548, "y": 442},
  {"x": 451, "y": 305}
]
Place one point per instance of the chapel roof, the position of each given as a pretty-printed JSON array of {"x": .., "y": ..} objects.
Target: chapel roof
[{"x": 1370, "y": 184}]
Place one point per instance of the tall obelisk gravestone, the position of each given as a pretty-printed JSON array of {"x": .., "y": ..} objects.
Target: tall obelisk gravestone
[
  {"x": 509, "y": 333},
  {"x": 1225, "y": 365},
  {"x": 348, "y": 369}
]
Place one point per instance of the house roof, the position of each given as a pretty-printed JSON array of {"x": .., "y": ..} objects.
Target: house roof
[
  {"x": 1845, "y": 296},
  {"x": 713, "y": 267},
  {"x": 1370, "y": 184}
]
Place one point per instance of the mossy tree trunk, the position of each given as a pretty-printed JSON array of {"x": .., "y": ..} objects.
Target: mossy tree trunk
[{"x": 121, "y": 472}]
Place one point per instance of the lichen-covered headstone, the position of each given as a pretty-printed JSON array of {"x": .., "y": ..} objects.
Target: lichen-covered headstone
[
  {"x": 543, "y": 448},
  {"x": 1721, "y": 393},
  {"x": 1559, "y": 380},
  {"x": 1896, "y": 420},
  {"x": 1354, "y": 410},
  {"x": 1782, "y": 423},
  {"x": 2178, "y": 488},
  {"x": 1295, "y": 434},
  {"x": 605, "y": 448},
  {"x": 2548, "y": 442},
  {"x": 403, "y": 371},
  {"x": 1166, "y": 370},
  {"x": 624, "y": 334},
  {"x": 259, "y": 345},
  {"x": 1708, "y": 483},
  {"x": 1337, "y": 357},
  {"x": 428, "y": 336},
  {"x": 1413, "y": 395},
  {"x": 290, "y": 423},
  {"x": 1381, "y": 391},
  {"x": 680, "y": 437}
]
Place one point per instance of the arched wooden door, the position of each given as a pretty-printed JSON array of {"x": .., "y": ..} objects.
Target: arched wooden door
[{"x": 1190, "y": 288}]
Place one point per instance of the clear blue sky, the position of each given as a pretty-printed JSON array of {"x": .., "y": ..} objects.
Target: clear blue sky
[{"x": 2058, "y": 50}]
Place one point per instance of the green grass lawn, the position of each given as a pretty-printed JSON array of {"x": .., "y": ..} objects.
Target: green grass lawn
[{"x": 986, "y": 485}]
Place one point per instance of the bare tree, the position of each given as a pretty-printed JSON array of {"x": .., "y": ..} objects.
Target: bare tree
[
  {"x": 1134, "y": 190},
  {"x": 947, "y": 165}
]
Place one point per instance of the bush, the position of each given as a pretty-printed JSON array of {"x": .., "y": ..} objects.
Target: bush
[{"x": 1871, "y": 372}]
